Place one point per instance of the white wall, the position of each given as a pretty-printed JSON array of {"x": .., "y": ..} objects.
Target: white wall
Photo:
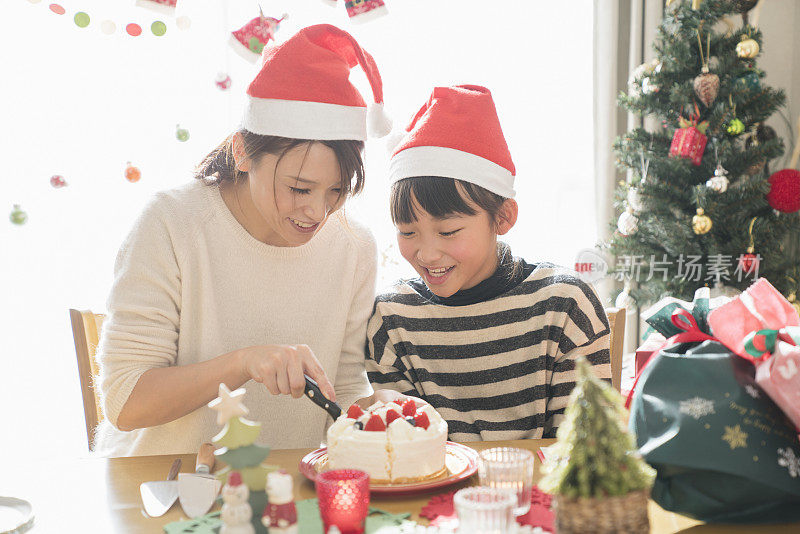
[{"x": 780, "y": 59}]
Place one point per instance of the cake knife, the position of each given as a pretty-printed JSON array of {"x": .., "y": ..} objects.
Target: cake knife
[{"x": 313, "y": 392}]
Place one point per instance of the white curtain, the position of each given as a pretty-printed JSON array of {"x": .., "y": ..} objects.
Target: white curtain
[{"x": 623, "y": 31}]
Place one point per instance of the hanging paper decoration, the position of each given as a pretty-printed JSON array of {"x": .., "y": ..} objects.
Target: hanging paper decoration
[
  {"x": 365, "y": 10},
  {"x": 133, "y": 29},
  {"x": 223, "y": 81},
  {"x": 181, "y": 134},
  {"x": 689, "y": 141},
  {"x": 108, "y": 27},
  {"x": 250, "y": 39},
  {"x": 18, "y": 216},
  {"x": 81, "y": 19},
  {"x": 183, "y": 22},
  {"x": 163, "y": 6},
  {"x": 58, "y": 181},
  {"x": 158, "y": 28},
  {"x": 132, "y": 174}
]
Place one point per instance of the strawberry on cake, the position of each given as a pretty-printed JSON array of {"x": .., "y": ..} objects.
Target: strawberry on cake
[{"x": 393, "y": 443}]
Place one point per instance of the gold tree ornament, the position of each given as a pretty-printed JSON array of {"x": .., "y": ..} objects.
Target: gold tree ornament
[
  {"x": 748, "y": 48},
  {"x": 701, "y": 223}
]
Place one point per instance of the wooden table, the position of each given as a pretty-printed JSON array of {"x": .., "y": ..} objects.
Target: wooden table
[{"x": 102, "y": 495}]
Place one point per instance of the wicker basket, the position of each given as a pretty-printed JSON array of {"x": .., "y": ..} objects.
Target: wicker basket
[{"x": 612, "y": 515}]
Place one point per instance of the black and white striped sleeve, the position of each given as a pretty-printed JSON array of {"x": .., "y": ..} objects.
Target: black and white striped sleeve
[{"x": 586, "y": 333}]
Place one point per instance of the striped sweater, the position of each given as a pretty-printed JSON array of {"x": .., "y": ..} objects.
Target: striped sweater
[{"x": 499, "y": 367}]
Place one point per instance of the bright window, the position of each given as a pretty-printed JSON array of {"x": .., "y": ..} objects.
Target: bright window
[{"x": 80, "y": 103}]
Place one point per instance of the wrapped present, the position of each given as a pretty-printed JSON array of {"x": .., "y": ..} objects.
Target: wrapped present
[
  {"x": 761, "y": 326},
  {"x": 689, "y": 141},
  {"x": 722, "y": 450},
  {"x": 653, "y": 342},
  {"x": 677, "y": 321}
]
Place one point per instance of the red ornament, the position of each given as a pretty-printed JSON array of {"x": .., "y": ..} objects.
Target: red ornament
[
  {"x": 57, "y": 181},
  {"x": 749, "y": 262},
  {"x": 132, "y": 174},
  {"x": 784, "y": 191}
]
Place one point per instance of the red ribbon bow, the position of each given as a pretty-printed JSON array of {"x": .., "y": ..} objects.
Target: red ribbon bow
[{"x": 691, "y": 334}]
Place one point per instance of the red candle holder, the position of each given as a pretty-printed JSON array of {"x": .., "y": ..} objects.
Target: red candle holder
[{"x": 343, "y": 496}]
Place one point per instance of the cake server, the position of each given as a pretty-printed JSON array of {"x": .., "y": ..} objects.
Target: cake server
[
  {"x": 313, "y": 392},
  {"x": 197, "y": 491},
  {"x": 159, "y": 495}
]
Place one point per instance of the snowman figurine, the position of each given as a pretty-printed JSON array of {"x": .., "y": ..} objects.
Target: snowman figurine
[
  {"x": 280, "y": 515},
  {"x": 236, "y": 511}
]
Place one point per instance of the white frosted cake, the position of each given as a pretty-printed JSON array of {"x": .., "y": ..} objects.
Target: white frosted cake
[{"x": 393, "y": 443}]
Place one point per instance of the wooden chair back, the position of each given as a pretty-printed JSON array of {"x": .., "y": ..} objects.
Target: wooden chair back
[
  {"x": 616, "y": 319},
  {"x": 86, "y": 327}
]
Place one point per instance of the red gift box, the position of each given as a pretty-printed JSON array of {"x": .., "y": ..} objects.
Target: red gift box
[
  {"x": 652, "y": 343},
  {"x": 689, "y": 143}
]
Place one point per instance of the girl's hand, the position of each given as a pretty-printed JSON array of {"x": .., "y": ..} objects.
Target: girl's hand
[{"x": 281, "y": 367}]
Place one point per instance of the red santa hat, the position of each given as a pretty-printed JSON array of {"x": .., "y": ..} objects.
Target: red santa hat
[
  {"x": 456, "y": 134},
  {"x": 303, "y": 90}
]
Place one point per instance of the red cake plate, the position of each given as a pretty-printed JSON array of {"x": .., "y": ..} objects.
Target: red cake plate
[{"x": 461, "y": 462}]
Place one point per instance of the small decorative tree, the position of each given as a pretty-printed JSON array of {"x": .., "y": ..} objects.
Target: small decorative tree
[{"x": 599, "y": 482}]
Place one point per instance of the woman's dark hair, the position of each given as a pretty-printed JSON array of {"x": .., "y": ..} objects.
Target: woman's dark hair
[
  {"x": 440, "y": 197},
  {"x": 220, "y": 166}
]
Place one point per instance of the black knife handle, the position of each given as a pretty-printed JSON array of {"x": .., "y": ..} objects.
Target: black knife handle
[{"x": 313, "y": 392}]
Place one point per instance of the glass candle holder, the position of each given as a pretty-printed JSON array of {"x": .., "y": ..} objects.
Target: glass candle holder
[
  {"x": 510, "y": 469},
  {"x": 343, "y": 496},
  {"x": 483, "y": 510}
]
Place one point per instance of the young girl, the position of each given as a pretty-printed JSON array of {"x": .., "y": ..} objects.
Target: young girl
[
  {"x": 488, "y": 340},
  {"x": 251, "y": 273}
]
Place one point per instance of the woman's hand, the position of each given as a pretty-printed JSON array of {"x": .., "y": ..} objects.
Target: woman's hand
[{"x": 281, "y": 367}]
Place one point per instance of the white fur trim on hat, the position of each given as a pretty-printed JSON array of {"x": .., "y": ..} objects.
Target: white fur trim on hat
[
  {"x": 305, "y": 120},
  {"x": 452, "y": 163}
]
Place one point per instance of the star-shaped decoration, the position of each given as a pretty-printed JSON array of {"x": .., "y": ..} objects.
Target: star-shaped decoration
[
  {"x": 228, "y": 405},
  {"x": 735, "y": 437}
]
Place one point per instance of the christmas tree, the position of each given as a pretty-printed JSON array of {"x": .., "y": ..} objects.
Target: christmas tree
[
  {"x": 701, "y": 206},
  {"x": 593, "y": 457}
]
